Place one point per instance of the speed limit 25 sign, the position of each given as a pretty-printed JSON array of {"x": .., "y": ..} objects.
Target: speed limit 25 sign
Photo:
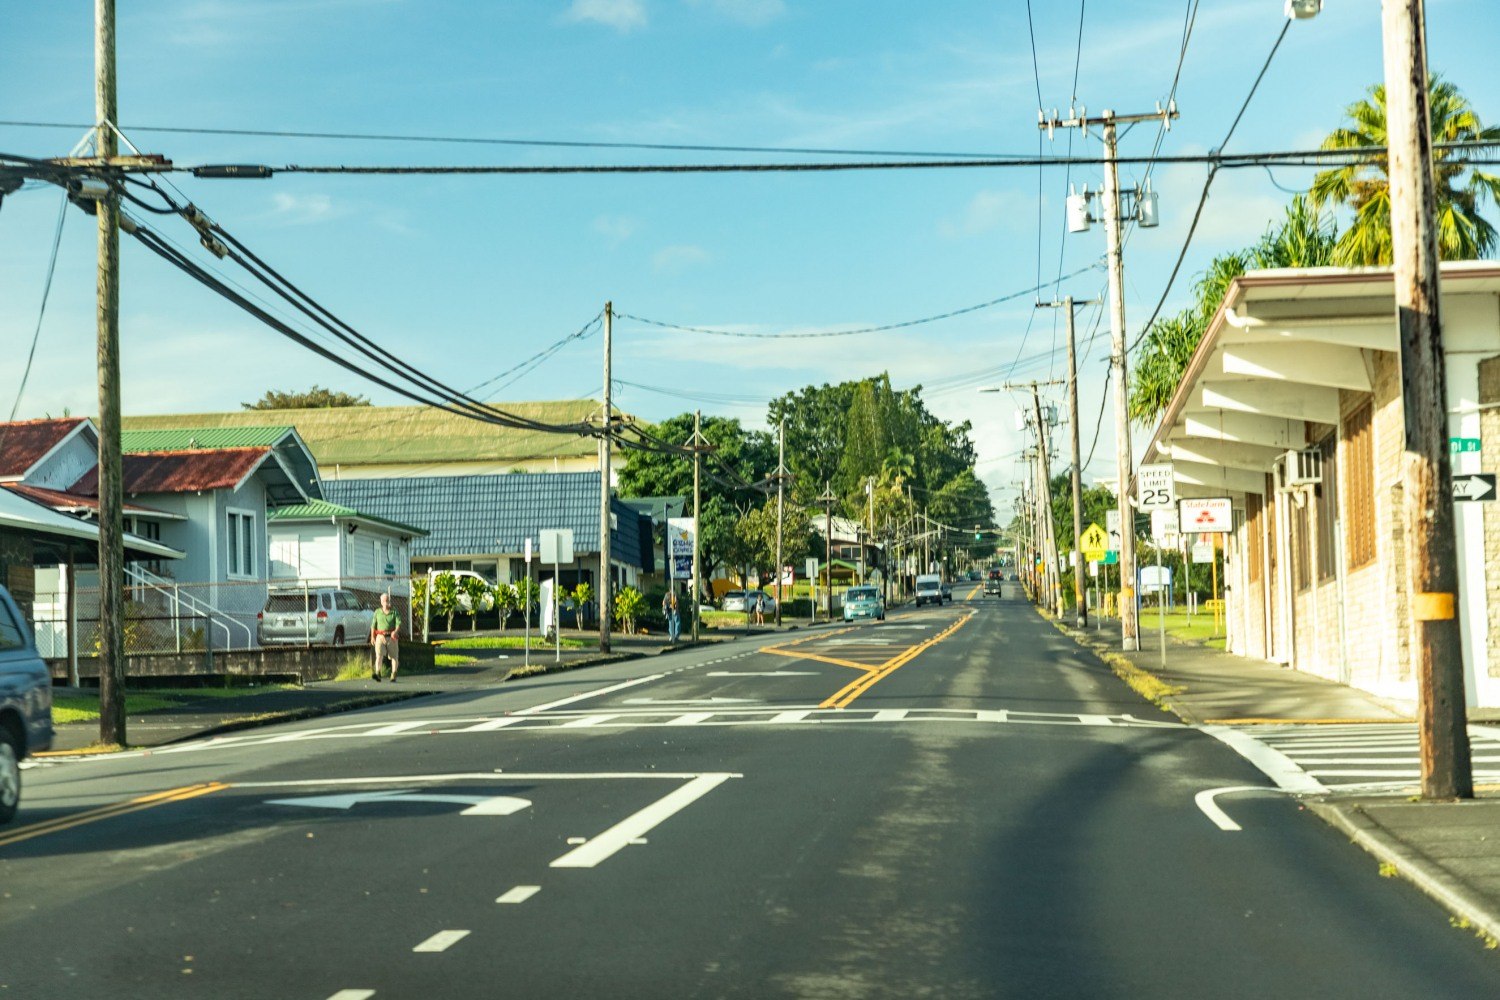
[{"x": 1154, "y": 486}]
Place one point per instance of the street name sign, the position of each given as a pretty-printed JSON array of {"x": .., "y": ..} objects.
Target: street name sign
[
  {"x": 1459, "y": 446},
  {"x": 1474, "y": 486},
  {"x": 1154, "y": 486},
  {"x": 1095, "y": 543},
  {"x": 1215, "y": 515},
  {"x": 1111, "y": 558}
]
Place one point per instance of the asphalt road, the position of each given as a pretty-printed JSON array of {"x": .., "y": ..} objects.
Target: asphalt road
[{"x": 957, "y": 802}]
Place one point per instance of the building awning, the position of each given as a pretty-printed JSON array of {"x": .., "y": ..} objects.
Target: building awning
[
  {"x": 1274, "y": 359},
  {"x": 17, "y": 513}
]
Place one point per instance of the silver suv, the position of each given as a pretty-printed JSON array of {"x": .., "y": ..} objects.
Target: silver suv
[
  {"x": 25, "y": 703},
  {"x": 318, "y": 616}
]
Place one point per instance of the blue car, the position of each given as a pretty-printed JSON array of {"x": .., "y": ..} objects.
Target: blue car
[
  {"x": 863, "y": 602},
  {"x": 25, "y": 703}
]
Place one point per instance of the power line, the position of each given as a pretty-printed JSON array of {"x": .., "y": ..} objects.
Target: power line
[
  {"x": 36, "y": 335},
  {"x": 904, "y": 324}
]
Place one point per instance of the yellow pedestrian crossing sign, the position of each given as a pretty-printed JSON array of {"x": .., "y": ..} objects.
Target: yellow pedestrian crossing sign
[{"x": 1095, "y": 542}]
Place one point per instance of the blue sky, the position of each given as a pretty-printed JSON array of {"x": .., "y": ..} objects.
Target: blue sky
[{"x": 465, "y": 276}]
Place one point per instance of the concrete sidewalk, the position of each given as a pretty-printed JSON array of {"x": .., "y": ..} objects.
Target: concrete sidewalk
[{"x": 1449, "y": 850}]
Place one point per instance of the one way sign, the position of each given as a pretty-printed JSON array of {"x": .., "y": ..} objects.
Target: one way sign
[{"x": 1474, "y": 486}]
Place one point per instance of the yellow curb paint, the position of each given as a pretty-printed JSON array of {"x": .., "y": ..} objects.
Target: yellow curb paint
[{"x": 107, "y": 812}]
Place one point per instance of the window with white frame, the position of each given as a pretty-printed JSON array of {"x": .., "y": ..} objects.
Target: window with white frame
[{"x": 241, "y": 536}]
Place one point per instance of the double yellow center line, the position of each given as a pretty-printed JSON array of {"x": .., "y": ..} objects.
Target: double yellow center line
[
  {"x": 859, "y": 686},
  {"x": 71, "y": 820}
]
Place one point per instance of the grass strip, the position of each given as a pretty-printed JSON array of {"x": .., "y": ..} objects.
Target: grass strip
[{"x": 508, "y": 642}]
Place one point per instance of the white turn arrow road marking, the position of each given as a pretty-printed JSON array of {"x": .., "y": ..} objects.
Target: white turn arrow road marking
[{"x": 479, "y": 805}]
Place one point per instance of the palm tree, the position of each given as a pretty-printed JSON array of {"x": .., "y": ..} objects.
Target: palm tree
[{"x": 1462, "y": 233}]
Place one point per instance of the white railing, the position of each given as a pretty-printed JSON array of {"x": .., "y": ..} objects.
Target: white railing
[{"x": 142, "y": 578}]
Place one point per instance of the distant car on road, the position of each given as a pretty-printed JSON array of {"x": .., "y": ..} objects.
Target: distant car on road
[
  {"x": 992, "y": 582},
  {"x": 318, "y": 616},
  {"x": 25, "y": 703},
  {"x": 863, "y": 602},
  {"x": 947, "y": 591},
  {"x": 735, "y": 600},
  {"x": 929, "y": 590}
]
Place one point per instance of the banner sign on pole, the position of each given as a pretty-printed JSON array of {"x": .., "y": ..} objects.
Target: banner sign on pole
[
  {"x": 680, "y": 531},
  {"x": 1211, "y": 516}
]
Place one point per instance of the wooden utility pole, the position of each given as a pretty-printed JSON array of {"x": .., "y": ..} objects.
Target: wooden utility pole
[
  {"x": 697, "y": 444},
  {"x": 780, "y": 513},
  {"x": 111, "y": 490},
  {"x": 1431, "y": 551},
  {"x": 1045, "y": 470},
  {"x": 1109, "y": 122},
  {"x": 606, "y": 574},
  {"x": 1081, "y": 618}
]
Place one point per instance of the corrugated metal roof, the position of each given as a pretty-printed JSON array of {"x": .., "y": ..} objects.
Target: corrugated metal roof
[
  {"x": 60, "y": 501},
  {"x": 187, "y": 471},
  {"x": 23, "y": 442},
  {"x": 394, "y": 435},
  {"x": 17, "y": 513},
  {"x": 186, "y": 438},
  {"x": 322, "y": 510},
  {"x": 487, "y": 515}
]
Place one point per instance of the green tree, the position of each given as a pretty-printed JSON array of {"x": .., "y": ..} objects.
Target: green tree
[
  {"x": 1304, "y": 237},
  {"x": 316, "y": 398},
  {"x": 756, "y": 531},
  {"x": 476, "y": 597},
  {"x": 582, "y": 595},
  {"x": 528, "y": 593},
  {"x": 506, "y": 601},
  {"x": 629, "y": 603},
  {"x": 1364, "y": 188},
  {"x": 445, "y": 597}
]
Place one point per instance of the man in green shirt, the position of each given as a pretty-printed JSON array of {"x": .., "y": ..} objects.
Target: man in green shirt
[{"x": 385, "y": 630}]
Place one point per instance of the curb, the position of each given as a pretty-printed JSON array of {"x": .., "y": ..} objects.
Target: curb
[
  {"x": 1446, "y": 890},
  {"x": 1140, "y": 680}
]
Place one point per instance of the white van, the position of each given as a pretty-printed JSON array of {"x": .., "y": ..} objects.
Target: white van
[{"x": 930, "y": 589}]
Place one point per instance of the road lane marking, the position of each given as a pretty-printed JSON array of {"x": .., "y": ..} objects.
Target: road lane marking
[
  {"x": 1272, "y": 763},
  {"x": 890, "y": 715},
  {"x": 1205, "y": 802},
  {"x": 798, "y": 654},
  {"x": 478, "y": 805},
  {"x": 846, "y": 695},
  {"x": 491, "y": 725},
  {"x": 587, "y": 721},
  {"x": 761, "y": 673},
  {"x": 519, "y": 894},
  {"x": 496, "y": 775},
  {"x": 353, "y": 995},
  {"x": 395, "y": 728},
  {"x": 781, "y": 718},
  {"x": 637, "y": 825},
  {"x": 690, "y": 719},
  {"x": 60, "y": 823},
  {"x": 441, "y": 941},
  {"x": 589, "y": 694}
]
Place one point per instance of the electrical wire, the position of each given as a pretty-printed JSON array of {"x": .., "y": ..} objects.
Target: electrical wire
[{"x": 36, "y": 334}]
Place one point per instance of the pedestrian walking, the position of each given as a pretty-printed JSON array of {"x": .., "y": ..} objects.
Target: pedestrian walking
[
  {"x": 760, "y": 608},
  {"x": 673, "y": 614},
  {"x": 385, "y": 636}
]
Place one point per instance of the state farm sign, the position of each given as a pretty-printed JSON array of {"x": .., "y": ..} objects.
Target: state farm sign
[{"x": 1206, "y": 516}]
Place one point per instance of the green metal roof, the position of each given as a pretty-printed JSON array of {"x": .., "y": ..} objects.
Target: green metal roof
[
  {"x": 184, "y": 438},
  {"x": 322, "y": 510}
]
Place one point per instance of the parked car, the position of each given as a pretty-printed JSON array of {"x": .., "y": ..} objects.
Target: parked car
[
  {"x": 735, "y": 600},
  {"x": 319, "y": 616},
  {"x": 992, "y": 583},
  {"x": 25, "y": 703},
  {"x": 947, "y": 589},
  {"x": 929, "y": 590},
  {"x": 863, "y": 602}
]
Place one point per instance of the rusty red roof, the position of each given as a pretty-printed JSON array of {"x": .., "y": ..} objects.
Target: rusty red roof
[
  {"x": 23, "y": 442},
  {"x": 65, "y": 502},
  {"x": 186, "y": 471}
]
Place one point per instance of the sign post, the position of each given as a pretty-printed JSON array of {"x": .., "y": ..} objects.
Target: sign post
[
  {"x": 812, "y": 587},
  {"x": 1163, "y": 533},
  {"x": 526, "y": 609},
  {"x": 557, "y": 548}
]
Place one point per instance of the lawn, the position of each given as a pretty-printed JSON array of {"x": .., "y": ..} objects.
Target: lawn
[
  {"x": 85, "y": 708},
  {"x": 509, "y": 642},
  {"x": 1198, "y": 628}
]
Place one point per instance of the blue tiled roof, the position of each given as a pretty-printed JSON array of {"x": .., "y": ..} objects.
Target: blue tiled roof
[{"x": 494, "y": 514}]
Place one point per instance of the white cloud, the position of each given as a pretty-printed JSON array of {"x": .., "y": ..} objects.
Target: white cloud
[
  {"x": 678, "y": 258},
  {"x": 752, "y": 12},
  {"x": 615, "y": 229},
  {"x": 622, "y": 15},
  {"x": 302, "y": 209},
  {"x": 988, "y": 211}
]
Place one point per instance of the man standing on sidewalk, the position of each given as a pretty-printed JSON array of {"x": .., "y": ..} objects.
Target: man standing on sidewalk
[
  {"x": 671, "y": 612},
  {"x": 385, "y": 630}
]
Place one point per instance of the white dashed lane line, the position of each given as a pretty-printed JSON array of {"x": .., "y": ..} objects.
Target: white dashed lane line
[
  {"x": 353, "y": 995},
  {"x": 441, "y": 941},
  {"x": 519, "y": 894}
]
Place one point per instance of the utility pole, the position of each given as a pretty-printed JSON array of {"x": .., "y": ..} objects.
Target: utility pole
[
  {"x": 1124, "y": 458},
  {"x": 606, "y": 574},
  {"x": 781, "y": 474},
  {"x": 1069, "y": 305},
  {"x": 870, "y": 531},
  {"x": 111, "y": 490},
  {"x": 1046, "y": 531},
  {"x": 1432, "y": 557},
  {"x": 827, "y": 500},
  {"x": 697, "y": 444}
]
